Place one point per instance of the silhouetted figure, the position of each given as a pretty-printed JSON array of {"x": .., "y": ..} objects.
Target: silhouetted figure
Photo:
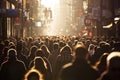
[
  {"x": 20, "y": 55},
  {"x": 12, "y": 45},
  {"x": 103, "y": 47},
  {"x": 80, "y": 69},
  {"x": 53, "y": 57},
  {"x": 33, "y": 74},
  {"x": 102, "y": 63},
  {"x": 91, "y": 49},
  {"x": 31, "y": 55},
  {"x": 113, "y": 67},
  {"x": 46, "y": 51},
  {"x": 63, "y": 58},
  {"x": 12, "y": 69},
  {"x": 40, "y": 53},
  {"x": 41, "y": 66}
]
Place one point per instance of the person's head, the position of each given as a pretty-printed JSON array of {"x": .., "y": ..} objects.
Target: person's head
[
  {"x": 12, "y": 45},
  {"x": 91, "y": 47},
  {"x": 80, "y": 52},
  {"x": 106, "y": 48},
  {"x": 46, "y": 50},
  {"x": 33, "y": 74},
  {"x": 12, "y": 53},
  {"x": 66, "y": 49},
  {"x": 113, "y": 61},
  {"x": 44, "y": 47},
  {"x": 33, "y": 49},
  {"x": 55, "y": 46},
  {"x": 40, "y": 53},
  {"x": 40, "y": 64},
  {"x": 102, "y": 59},
  {"x": 102, "y": 64}
]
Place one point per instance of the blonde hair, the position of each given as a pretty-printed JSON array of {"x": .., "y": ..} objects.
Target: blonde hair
[{"x": 33, "y": 70}]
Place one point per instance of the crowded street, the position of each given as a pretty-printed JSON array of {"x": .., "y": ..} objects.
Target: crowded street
[{"x": 59, "y": 39}]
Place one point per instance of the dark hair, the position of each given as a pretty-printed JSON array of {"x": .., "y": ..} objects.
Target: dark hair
[
  {"x": 40, "y": 53},
  {"x": 66, "y": 49},
  {"x": 80, "y": 51},
  {"x": 12, "y": 53},
  {"x": 114, "y": 63},
  {"x": 33, "y": 76}
]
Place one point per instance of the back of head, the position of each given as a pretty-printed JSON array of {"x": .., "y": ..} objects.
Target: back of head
[
  {"x": 40, "y": 53},
  {"x": 103, "y": 58},
  {"x": 91, "y": 47},
  {"x": 46, "y": 50},
  {"x": 40, "y": 64},
  {"x": 33, "y": 48},
  {"x": 44, "y": 47},
  {"x": 106, "y": 48},
  {"x": 66, "y": 49},
  {"x": 11, "y": 43},
  {"x": 113, "y": 61},
  {"x": 12, "y": 53},
  {"x": 80, "y": 52},
  {"x": 33, "y": 74},
  {"x": 56, "y": 45}
]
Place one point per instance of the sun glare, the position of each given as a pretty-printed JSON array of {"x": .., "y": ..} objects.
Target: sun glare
[
  {"x": 54, "y": 6},
  {"x": 49, "y": 3}
]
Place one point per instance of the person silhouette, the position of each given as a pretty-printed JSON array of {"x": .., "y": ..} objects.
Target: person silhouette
[
  {"x": 12, "y": 68},
  {"x": 113, "y": 67},
  {"x": 79, "y": 69},
  {"x": 33, "y": 74}
]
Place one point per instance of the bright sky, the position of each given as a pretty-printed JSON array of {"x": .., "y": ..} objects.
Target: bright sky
[{"x": 49, "y": 3}]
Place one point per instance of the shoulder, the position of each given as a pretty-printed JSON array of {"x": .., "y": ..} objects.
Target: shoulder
[
  {"x": 67, "y": 65},
  {"x": 21, "y": 63},
  {"x": 3, "y": 65},
  {"x": 103, "y": 76}
]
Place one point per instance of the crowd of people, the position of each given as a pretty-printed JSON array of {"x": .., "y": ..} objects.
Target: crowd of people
[{"x": 60, "y": 58}]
